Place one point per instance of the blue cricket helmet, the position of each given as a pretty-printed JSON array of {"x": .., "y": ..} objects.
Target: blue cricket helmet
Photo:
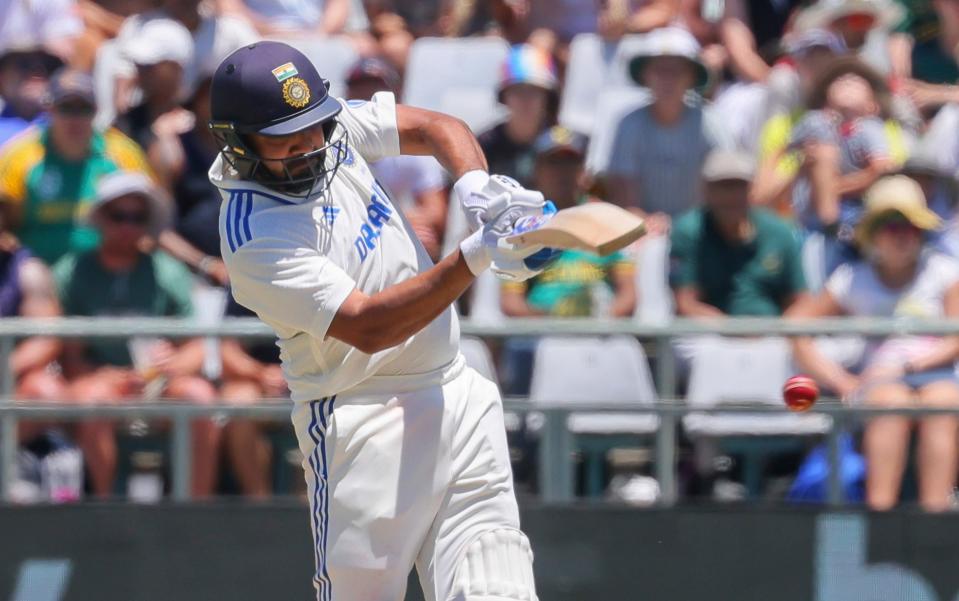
[{"x": 272, "y": 89}]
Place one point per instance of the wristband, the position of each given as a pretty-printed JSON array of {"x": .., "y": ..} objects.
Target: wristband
[
  {"x": 475, "y": 253},
  {"x": 204, "y": 265},
  {"x": 470, "y": 182}
]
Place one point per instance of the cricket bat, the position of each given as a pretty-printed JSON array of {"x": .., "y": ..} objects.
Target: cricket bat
[{"x": 600, "y": 228}]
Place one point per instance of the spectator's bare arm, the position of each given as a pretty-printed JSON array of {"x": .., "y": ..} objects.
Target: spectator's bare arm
[
  {"x": 948, "y": 12},
  {"x": 183, "y": 360},
  {"x": 39, "y": 300},
  {"x": 771, "y": 182},
  {"x": 513, "y": 301},
  {"x": 335, "y": 15},
  {"x": 735, "y": 35},
  {"x": 624, "y": 291},
  {"x": 808, "y": 356},
  {"x": 179, "y": 248},
  {"x": 858, "y": 181},
  {"x": 652, "y": 15},
  {"x": 688, "y": 304},
  {"x": 900, "y": 54},
  {"x": 947, "y": 350},
  {"x": 822, "y": 168}
]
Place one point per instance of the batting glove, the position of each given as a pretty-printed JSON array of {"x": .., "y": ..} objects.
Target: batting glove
[
  {"x": 487, "y": 248},
  {"x": 484, "y": 197}
]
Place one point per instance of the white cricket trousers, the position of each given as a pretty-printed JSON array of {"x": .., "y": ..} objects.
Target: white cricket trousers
[{"x": 414, "y": 478}]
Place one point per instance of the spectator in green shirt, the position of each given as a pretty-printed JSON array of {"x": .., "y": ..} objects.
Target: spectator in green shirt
[
  {"x": 119, "y": 278},
  {"x": 568, "y": 287},
  {"x": 48, "y": 173},
  {"x": 728, "y": 258},
  {"x": 576, "y": 284},
  {"x": 923, "y": 44}
]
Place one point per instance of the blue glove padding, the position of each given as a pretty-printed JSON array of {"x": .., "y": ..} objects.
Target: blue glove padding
[{"x": 542, "y": 259}]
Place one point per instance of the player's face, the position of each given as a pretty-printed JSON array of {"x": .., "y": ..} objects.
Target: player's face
[{"x": 275, "y": 149}]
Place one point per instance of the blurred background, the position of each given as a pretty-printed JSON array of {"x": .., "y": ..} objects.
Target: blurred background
[{"x": 796, "y": 163}]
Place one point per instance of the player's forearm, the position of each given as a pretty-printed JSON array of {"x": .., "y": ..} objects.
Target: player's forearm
[
  {"x": 385, "y": 319},
  {"x": 447, "y": 138}
]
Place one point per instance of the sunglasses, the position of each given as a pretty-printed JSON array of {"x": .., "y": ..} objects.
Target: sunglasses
[
  {"x": 139, "y": 218},
  {"x": 75, "y": 109},
  {"x": 895, "y": 224}
]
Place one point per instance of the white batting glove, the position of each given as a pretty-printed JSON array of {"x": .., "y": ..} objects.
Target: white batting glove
[
  {"x": 487, "y": 248},
  {"x": 484, "y": 197}
]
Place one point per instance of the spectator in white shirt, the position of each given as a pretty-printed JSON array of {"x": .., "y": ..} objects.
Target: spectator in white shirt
[{"x": 900, "y": 276}]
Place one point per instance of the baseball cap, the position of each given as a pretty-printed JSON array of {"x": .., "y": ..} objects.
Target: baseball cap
[
  {"x": 725, "y": 165},
  {"x": 159, "y": 40},
  {"x": 270, "y": 88},
  {"x": 899, "y": 194},
  {"x": 71, "y": 84},
  {"x": 527, "y": 64},
  {"x": 374, "y": 68},
  {"x": 559, "y": 139},
  {"x": 122, "y": 183}
]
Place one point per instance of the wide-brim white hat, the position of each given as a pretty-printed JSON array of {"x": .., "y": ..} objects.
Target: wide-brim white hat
[{"x": 824, "y": 13}]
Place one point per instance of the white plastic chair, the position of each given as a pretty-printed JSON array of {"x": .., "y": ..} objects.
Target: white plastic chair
[
  {"x": 485, "y": 300},
  {"x": 739, "y": 371},
  {"x": 104, "y": 82},
  {"x": 333, "y": 57},
  {"x": 655, "y": 298},
  {"x": 595, "y": 370},
  {"x": 209, "y": 306},
  {"x": 595, "y": 66},
  {"x": 458, "y": 76}
]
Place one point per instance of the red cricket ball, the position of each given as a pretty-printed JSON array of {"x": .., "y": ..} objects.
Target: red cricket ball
[{"x": 800, "y": 393}]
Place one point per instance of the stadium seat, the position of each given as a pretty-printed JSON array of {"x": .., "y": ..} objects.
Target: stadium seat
[
  {"x": 104, "y": 82},
  {"x": 737, "y": 371},
  {"x": 333, "y": 57},
  {"x": 595, "y": 66},
  {"x": 209, "y": 305},
  {"x": 654, "y": 298},
  {"x": 485, "y": 300},
  {"x": 457, "y": 76},
  {"x": 596, "y": 370}
]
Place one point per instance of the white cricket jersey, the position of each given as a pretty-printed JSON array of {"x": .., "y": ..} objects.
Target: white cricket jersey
[{"x": 294, "y": 261}]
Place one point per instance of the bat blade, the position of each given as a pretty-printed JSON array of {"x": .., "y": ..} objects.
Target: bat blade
[{"x": 597, "y": 227}]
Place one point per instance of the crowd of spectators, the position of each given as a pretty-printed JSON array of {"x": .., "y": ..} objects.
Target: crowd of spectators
[{"x": 798, "y": 158}]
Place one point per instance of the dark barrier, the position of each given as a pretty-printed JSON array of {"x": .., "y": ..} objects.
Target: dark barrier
[{"x": 263, "y": 553}]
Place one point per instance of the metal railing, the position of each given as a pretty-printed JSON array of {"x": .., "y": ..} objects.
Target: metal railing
[{"x": 557, "y": 442}]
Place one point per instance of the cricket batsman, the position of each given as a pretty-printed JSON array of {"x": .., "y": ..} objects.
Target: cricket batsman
[{"x": 405, "y": 451}]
